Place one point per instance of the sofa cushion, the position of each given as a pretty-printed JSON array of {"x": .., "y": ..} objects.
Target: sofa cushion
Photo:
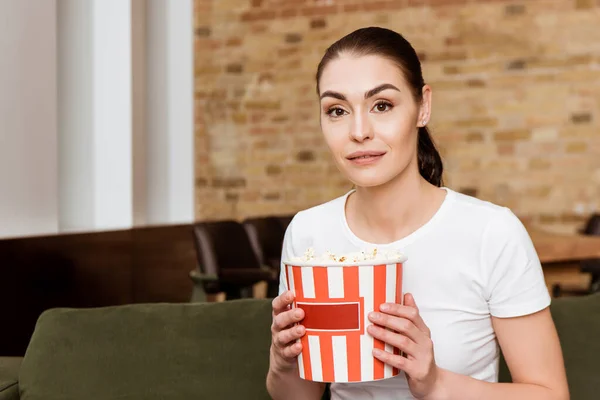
[
  {"x": 9, "y": 374},
  {"x": 150, "y": 351}
]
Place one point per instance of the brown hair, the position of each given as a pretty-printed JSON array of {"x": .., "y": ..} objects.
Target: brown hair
[{"x": 393, "y": 46}]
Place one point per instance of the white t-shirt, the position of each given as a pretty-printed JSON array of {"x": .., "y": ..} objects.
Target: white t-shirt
[{"x": 471, "y": 261}]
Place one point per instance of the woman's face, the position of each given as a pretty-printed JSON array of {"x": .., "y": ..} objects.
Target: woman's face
[{"x": 370, "y": 118}]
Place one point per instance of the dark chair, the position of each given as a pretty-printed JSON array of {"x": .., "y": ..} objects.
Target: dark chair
[
  {"x": 285, "y": 220},
  {"x": 592, "y": 266},
  {"x": 226, "y": 260},
  {"x": 266, "y": 235}
]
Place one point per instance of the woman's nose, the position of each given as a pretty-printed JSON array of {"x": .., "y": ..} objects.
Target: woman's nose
[{"x": 361, "y": 129}]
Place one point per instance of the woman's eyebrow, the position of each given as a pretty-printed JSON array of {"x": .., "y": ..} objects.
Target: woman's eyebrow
[
  {"x": 380, "y": 89},
  {"x": 369, "y": 93},
  {"x": 335, "y": 95}
]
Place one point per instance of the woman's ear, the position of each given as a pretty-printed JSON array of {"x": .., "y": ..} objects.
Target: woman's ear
[{"x": 425, "y": 107}]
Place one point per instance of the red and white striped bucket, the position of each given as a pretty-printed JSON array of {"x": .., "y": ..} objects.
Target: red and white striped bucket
[{"x": 337, "y": 300}]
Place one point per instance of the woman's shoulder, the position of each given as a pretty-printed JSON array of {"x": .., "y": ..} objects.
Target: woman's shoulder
[
  {"x": 494, "y": 222},
  {"x": 320, "y": 214},
  {"x": 483, "y": 211}
]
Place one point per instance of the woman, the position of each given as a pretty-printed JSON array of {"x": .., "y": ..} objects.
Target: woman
[{"x": 473, "y": 273}]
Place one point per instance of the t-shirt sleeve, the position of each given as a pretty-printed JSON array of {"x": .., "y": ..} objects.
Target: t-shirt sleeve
[{"x": 516, "y": 284}]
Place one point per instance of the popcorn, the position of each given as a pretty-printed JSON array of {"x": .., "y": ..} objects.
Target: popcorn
[{"x": 330, "y": 258}]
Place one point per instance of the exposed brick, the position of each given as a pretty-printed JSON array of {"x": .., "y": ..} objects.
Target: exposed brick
[
  {"x": 262, "y": 105},
  {"x": 476, "y": 83},
  {"x": 577, "y": 147},
  {"x": 239, "y": 118},
  {"x": 233, "y": 42},
  {"x": 506, "y": 149},
  {"x": 453, "y": 41},
  {"x": 548, "y": 219},
  {"x": 289, "y": 13},
  {"x": 272, "y": 196},
  {"x": 280, "y": 118},
  {"x": 350, "y": 8},
  {"x": 305, "y": 156},
  {"x": 234, "y": 68},
  {"x": 233, "y": 197},
  {"x": 517, "y": 134},
  {"x": 572, "y": 218},
  {"x": 288, "y": 51},
  {"x": 515, "y": 9},
  {"x": 264, "y": 130},
  {"x": 255, "y": 100},
  {"x": 318, "y": 23},
  {"x": 539, "y": 163},
  {"x": 201, "y": 182},
  {"x": 585, "y": 4},
  {"x": 202, "y": 31},
  {"x": 258, "y": 117},
  {"x": 474, "y": 137},
  {"x": 273, "y": 170},
  {"x": 582, "y": 118},
  {"x": 319, "y": 11},
  {"x": 293, "y": 38},
  {"x": 516, "y": 65},
  {"x": 447, "y": 56},
  {"x": 229, "y": 182},
  {"x": 383, "y": 5},
  {"x": 257, "y": 15}
]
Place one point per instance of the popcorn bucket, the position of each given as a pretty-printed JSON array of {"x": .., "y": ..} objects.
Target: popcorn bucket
[{"x": 337, "y": 300}]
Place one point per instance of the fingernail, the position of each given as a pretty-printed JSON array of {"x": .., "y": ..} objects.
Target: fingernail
[
  {"x": 374, "y": 315},
  {"x": 297, "y": 313},
  {"x": 384, "y": 307},
  {"x": 377, "y": 352},
  {"x": 299, "y": 330}
]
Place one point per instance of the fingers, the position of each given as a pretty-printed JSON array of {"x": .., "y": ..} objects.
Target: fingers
[
  {"x": 416, "y": 369},
  {"x": 408, "y": 311},
  {"x": 287, "y": 336},
  {"x": 291, "y": 352},
  {"x": 398, "y": 324},
  {"x": 395, "y": 360},
  {"x": 286, "y": 319},
  {"x": 409, "y": 301},
  {"x": 282, "y": 302},
  {"x": 286, "y": 341},
  {"x": 395, "y": 339}
]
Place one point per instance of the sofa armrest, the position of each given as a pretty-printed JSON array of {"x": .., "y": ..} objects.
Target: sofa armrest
[{"x": 9, "y": 377}]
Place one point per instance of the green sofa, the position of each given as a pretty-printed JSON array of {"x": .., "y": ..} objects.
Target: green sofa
[{"x": 206, "y": 351}]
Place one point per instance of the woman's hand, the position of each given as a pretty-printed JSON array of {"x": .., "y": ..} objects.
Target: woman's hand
[
  {"x": 407, "y": 332},
  {"x": 284, "y": 349}
]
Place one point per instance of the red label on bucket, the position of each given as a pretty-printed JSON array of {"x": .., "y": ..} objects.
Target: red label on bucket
[{"x": 331, "y": 316}]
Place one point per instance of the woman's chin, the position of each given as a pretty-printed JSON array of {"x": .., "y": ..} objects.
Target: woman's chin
[{"x": 369, "y": 180}]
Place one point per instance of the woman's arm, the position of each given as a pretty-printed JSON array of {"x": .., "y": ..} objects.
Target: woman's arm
[
  {"x": 529, "y": 343},
  {"x": 533, "y": 355},
  {"x": 283, "y": 380}
]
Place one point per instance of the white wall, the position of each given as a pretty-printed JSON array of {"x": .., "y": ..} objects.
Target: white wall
[
  {"x": 96, "y": 113},
  {"x": 169, "y": 112},
  {"x": 75, "y": 112},
  {"x": 28, "y": 122}
]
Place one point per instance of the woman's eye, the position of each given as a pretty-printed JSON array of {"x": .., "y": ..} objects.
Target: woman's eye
[
  {"x": 382, "y": 107},
  {"x": 336, "y": 112}
]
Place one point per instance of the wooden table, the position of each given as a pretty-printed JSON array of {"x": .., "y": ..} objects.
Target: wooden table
[
  {"x": 553, "y": 248},
  {"x": 561, "y": 255}
]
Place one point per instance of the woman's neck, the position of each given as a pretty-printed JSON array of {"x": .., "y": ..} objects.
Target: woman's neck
[{"x": 387, "y": 213}]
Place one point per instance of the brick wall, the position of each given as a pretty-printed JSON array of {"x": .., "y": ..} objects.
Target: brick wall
[{"x": 516, "y": 89}]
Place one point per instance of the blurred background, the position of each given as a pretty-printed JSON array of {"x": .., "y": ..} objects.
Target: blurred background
[{"x": 141, "y": 140}]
